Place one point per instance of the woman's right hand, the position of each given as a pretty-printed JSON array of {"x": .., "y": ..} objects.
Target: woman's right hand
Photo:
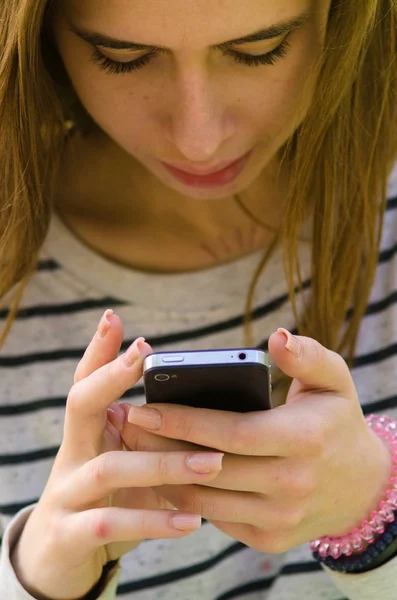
[{"x": 99, "y": 502}]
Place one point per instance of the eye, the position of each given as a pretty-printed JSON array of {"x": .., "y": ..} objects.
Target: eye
[
  {"x": 270, "y": 58},
  {"x": 116, "y": 68}
]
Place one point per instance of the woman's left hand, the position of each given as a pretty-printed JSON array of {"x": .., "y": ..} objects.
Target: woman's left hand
[{"x": 309, "y": 468}]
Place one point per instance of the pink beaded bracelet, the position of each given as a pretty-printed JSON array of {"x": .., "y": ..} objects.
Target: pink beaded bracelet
[{"x": 366, "y": 533}]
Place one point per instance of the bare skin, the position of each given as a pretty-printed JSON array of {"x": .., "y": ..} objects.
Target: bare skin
[
  {"x": 164, "y": 240},
  {"x": 191, "y": 105}
]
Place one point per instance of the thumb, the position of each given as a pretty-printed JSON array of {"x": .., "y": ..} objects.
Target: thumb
[{"x": 313, "y": 366}]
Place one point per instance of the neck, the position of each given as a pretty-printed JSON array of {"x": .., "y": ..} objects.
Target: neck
[{"x": 124, "y": 212}]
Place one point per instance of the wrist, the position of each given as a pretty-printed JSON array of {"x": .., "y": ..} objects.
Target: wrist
[
  {"x": 363, "y": 540},
  {"x": 43, "y": 577}
]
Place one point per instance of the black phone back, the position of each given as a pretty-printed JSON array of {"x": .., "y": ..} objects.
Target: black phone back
[{"x": 239, "y": 387}]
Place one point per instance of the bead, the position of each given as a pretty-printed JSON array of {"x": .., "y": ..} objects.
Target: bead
[
  {"x": 391, "y": 427},
  {"x": 376, "y": 523},
  {"x": 323, "y": 549},
  {"x": 392, "y": 498},
  {"x": 372, "y": 551},
  {"x": 335, "y": 550},
  {"x": 356, "y": 541},
  {"x": 366, "y": 560},
  {"x": 315, "y": 545},
  {"x": 366, "y": 532},
  {"x": 380, "y": 545},
  {"x": 386, "y": 512},
  {"x": 384, "y": 419},
  {"x": 388, "y": 538},
  {"x": 345, "y": 546},
  {"x": 358, "y": 565}
]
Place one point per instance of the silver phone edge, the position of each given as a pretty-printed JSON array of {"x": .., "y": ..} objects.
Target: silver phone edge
[{"x": 207, "y": 357}]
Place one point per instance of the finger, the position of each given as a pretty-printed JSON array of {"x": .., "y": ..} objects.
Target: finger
[
  {"x": 222, "y": 505},
  {"x": 265, "y": 475},
  {"x": 136, "y": 438},
  {"x": 116, "y": 416},
  {"x": 275, "y": 541},
  {"x": 264, "y": 433},
  {"x": 88, "y": 530},
  {"x": 104, "y": 346},
  {"x": 112, "y": 471},
  {"x": 311, "y": 364},
  {"x": 274, "y": 477},
  {"x": 89, "y": 399}
]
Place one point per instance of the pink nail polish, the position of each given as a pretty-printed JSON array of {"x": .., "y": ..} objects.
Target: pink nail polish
[
  {"x": 104, "y": 324},
  {"x": 133, "y": 354},
  {"x": 292, "y": 344},
  {"x": 145, "y": 417},
  {"x": 186, "y": 522}
]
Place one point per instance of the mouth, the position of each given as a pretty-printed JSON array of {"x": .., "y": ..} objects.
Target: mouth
[{"x": 217, "y": 176}]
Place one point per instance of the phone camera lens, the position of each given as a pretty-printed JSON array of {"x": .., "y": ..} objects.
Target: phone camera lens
[
  {"x": 242, "y": 356},
  {"x": 162, "y": 377}
]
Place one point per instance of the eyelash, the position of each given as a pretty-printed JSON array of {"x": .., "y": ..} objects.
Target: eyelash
[{"x": 117, "y": 68}]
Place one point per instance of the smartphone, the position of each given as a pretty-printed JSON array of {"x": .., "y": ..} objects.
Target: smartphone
[{"x": 238, "y": 380}]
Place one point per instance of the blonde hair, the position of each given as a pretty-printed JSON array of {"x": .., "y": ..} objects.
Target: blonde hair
[{"x": 340, "y": 159}]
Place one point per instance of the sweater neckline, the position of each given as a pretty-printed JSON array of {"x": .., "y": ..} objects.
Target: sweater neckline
[{"x": 219, "y": 286}]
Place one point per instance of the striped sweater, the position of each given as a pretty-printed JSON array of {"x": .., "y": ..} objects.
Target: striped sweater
[{"x": 58, "y": 315}]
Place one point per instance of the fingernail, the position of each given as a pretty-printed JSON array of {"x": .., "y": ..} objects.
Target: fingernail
[
  {"x": 104, "y": 324},
  {"x": 205, "y": 462},
  {"x": 291, "y": 342},
  {"x": 116, "y": 416},
  {"x": 133, "y": 354},
  {"x": 147, "y": 418},
  {"x": 186, "y": 522}
]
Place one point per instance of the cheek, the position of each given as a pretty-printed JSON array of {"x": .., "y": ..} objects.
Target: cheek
[
  {"x": 285, "y": 99},
  {"x": 279, "y": 107}
]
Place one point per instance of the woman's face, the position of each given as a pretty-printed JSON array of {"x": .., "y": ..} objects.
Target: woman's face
[{"x": 197, "y": 100}]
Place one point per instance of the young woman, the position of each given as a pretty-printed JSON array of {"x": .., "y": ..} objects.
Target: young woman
[{"x": 211, "y": 175}]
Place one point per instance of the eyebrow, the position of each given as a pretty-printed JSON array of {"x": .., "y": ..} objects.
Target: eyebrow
[{"x": 274, "y": 31}]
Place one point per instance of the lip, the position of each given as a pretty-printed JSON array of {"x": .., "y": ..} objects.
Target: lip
[{"x": 214, "y": 177}]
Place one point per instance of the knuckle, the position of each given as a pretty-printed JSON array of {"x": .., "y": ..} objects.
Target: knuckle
[
  {"x": 317, "y": 352},
  {"x": 293, "y": 518},
  {"x": 112, "y": 375},
  {"x": 310, "y": 438},
  {"x": 340, "y": 361},
  {"x": 164, "y": 467},
  {"x": 74, "y": 399},
  {"x": 100, "y": 469},
  {"x": 242, "y": 434},
  {"x": 302, "y": 485},
  {"x": 79, "y": 372},
  {"x": 100, "y": 526},
  {"x": 315, "y": 441},
  {"x": 55, "y": 529},
  {"x": 184, "y": 426},
  {"x": 142, "y": 525},
  {"x": 197, "y": 504}
]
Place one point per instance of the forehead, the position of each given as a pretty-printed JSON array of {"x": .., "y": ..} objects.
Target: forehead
[{"x": 179, "y": 23}]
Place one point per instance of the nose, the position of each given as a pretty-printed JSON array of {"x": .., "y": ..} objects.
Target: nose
[{"x": 199, "y": 122}]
